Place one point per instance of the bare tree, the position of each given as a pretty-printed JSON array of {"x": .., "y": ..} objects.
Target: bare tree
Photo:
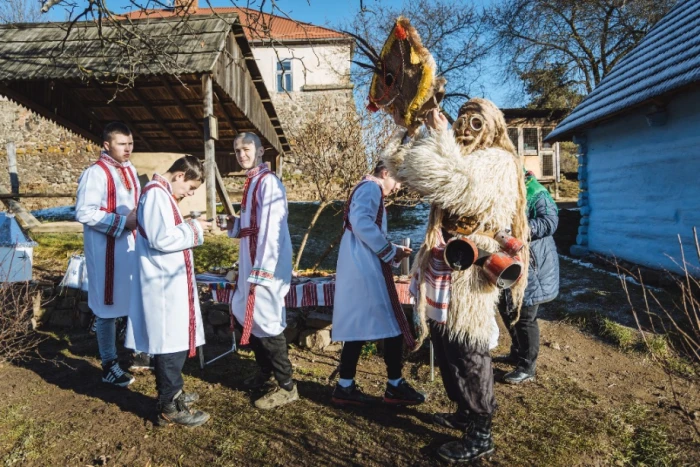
[
  {"x": 20, "y": 11},
  {"x": 672, "y": 335},
  {"x": 334, "y": 149},
  {"x": 127, "y": 45},
  {"x": 452, "y": 30},
  {"x": 583, "y": 39}
]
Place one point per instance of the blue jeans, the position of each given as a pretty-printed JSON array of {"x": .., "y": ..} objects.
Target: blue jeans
[{"x": 106, "y": 332}]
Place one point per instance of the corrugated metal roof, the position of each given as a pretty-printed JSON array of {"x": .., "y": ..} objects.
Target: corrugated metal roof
[
  {"x": 32, "y": 51},
  {"x": 258, "y": 26},
  {"x": 666, "y": 59},
  {"x": 11, "y": 235}
]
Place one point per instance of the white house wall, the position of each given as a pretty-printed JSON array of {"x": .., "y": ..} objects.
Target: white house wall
[
  {"x": 325, "y": 64},
  {"x": 644, "y": 185}
]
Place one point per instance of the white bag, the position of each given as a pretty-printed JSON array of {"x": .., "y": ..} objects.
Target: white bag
[{"x": 75, "y": 274}]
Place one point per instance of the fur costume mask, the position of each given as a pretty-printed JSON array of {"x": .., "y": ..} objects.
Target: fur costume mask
[
  {"x": 404, "y": 82},
  {"x": 473, "y": 178}
]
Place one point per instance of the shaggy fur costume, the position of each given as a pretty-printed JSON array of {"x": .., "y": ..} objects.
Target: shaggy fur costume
[{"x": 485, "y": 184}]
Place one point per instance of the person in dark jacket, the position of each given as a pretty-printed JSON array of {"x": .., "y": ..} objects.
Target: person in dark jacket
[{"x": 542, "y": 287}]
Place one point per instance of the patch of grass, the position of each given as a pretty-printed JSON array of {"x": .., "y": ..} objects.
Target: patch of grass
[
  {"x": 621, "y": 336},
  {"x": 641, "y": 440},
  {"x": 54, "y": 249},
  {"x": 554, "y": 425},
  {"x": 368, "y": 350},
  {"x": 217, "y": 250},
  {"x": 20, "y": 437}
]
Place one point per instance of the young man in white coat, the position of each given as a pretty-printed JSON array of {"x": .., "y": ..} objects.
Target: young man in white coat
[
  {"x": 108, "y": 192},
  {"x": 164, "y": 318},
  {"x": 366, "y": 302},
  {"x": 264, "y": 273}
]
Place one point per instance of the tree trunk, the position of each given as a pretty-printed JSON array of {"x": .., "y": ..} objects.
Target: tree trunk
[
  {"x": 330, "y": 248},
  {"x": 317, "y": 214}
]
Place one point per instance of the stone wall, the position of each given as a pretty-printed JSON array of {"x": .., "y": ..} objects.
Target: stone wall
[{"x": 50, "y": 158}]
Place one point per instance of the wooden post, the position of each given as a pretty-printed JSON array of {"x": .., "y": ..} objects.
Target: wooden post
[
  {"x": 12, "y": 166},
  {"x": 209, "y": 147},
  {"x": 405, "y": 263}
]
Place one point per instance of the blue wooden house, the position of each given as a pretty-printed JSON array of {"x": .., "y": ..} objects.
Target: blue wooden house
[{"x": 639, "y": 149}]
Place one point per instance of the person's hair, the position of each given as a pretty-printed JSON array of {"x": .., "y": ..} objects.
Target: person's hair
[
  {"x": 115, "y": 128},
  {"x": 191, "y": 166},
  {"x": 249, "y": 138},
  {"x": 378, "y": 168}
]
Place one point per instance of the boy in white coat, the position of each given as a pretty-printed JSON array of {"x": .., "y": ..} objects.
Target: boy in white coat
[
  {"x": 264, "y": 272},
  {"x": 366, "y": 306},
  {"x": 164, "y": 318},
  {"x": 108, "y": 192}
]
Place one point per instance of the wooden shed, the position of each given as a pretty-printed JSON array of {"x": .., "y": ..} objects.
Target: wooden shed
[
  {"x": 527, "y": 129},
  {"x": 639, "y": 149},
  {"x": 194, "y": 102}
]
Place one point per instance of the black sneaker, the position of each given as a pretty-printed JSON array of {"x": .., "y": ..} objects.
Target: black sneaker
[
  {"x": 518, "y": 376},
  {"x": 258, "y": 380},
  {"x": 402, "y": 394},
  {"x": 113, "y": 374},
  {"x": 141, "y": 362},
  {"x": 449, "y": 420},
  {"x": 177, "y": 412},
  {"x": 350, "y": 395}
]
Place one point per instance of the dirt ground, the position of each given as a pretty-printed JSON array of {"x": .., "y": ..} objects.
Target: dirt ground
[{"x": 593, "y": 404}]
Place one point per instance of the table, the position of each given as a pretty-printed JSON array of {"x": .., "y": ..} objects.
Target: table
[{"x": 303, "y": 291}]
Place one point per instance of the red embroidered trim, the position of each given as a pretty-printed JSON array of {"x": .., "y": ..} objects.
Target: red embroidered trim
[
  {"x": 252, "y": 234},
  {"x": 189, "y": 264},
  {"x": 111, "y": 241},
  {"x": 122, "y": 170}
]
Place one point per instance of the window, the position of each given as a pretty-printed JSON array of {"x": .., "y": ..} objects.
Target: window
[
  {"x": 545, "y": 132},
  {"x": 530, "y": 139},
  {"x": 513, "y": 135},
  {"x": 547, "y": 165},
  {"x": 284, "y": 76}
]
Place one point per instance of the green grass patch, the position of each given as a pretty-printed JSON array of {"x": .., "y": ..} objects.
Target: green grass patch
[
  {"x": 640, "y": 440},
  {"x": 21, "y": 437},
  {"x": 54, "y": 250}
]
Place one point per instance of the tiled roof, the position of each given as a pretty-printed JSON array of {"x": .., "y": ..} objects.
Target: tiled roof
[
  {"x": 258, "y": 26},
  {"x": 666, "y": 59}
]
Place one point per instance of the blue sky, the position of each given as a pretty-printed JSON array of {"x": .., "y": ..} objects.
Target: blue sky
[{"x": 333, "y": 12}]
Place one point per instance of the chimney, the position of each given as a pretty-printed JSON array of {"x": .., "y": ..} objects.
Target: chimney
[{"x": 186, "y": 6}]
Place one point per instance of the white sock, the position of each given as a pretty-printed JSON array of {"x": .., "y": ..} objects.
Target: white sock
[
  {"x": 395, "y": 382},
  {"x": 345, "y": 383}
]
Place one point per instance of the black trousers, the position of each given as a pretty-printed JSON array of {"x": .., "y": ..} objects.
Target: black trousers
[
  {"x": 393, "y": 357},
  {"x": 272, "y": 357},
  {"x": 168, "y": 369},
  {"x": 466, "y": 372},
  {"x": 524, "y": 335}
]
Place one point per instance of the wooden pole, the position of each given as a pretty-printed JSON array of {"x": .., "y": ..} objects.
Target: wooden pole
[
  {"x": 405, "y": 263},
  {"x": 209, "y": 147},
  {"x": 12, "y": 166}
]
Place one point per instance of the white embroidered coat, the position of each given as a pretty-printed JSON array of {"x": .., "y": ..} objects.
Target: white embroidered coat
[
  {"x": 362, "y": 307},
  {"x": 271, "y": 268},
  {"x": 164, "y": 302},
  {"x": 98, "y": 225}
]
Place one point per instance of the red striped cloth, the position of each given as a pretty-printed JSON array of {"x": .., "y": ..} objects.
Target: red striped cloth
[{"x": 299, "y": 294}]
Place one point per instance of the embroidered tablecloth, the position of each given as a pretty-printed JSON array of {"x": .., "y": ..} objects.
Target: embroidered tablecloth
[{"x": 303, "y": 292}]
